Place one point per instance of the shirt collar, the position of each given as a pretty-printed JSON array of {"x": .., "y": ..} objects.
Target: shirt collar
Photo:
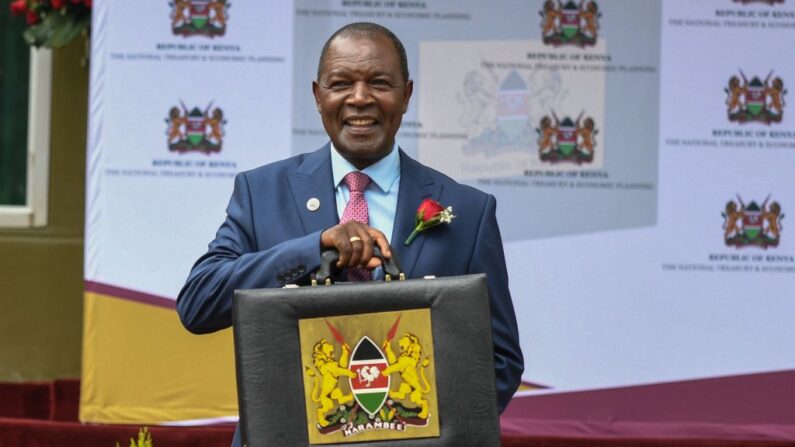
[{"x": 383, "y": 173}]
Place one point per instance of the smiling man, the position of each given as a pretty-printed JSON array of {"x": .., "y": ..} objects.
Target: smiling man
[
  {"x": 356, "y": 192},
  {"x": 362, "y": 92}
]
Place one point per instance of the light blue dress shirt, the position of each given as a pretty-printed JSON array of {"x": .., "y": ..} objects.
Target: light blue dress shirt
[{"x": 381, "y": 194}]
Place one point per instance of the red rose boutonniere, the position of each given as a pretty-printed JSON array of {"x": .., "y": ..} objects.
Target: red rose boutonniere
[{"x": 430, "y": 214}]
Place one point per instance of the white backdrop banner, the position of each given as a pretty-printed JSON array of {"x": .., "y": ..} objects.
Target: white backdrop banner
[
  {"x": 184, "y": 95},
  {"x": 641, "y": 153},
  {"x": 177, "y": 110}
]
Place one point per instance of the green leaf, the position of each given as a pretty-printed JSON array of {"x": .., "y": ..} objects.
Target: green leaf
[
  {"x": 57, "y": 28},
  {"x": 37, "y": 34},
  {"x": 65, "y": 27}
]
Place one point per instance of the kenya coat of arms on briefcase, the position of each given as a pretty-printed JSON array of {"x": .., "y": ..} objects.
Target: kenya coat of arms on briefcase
[{"x": 373, "y": 391}]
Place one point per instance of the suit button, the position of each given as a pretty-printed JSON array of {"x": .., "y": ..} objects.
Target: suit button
[
  {"x": 294, "y": 273},
  {"x": 301, "y": 269},
  {"x": 280, "y": 277}
]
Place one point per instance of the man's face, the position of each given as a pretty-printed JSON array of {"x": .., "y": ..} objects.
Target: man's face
[{"x": 361, "y": 96}]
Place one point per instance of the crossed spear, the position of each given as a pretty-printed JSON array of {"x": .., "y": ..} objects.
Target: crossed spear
[{"x": 341, "y": 340}]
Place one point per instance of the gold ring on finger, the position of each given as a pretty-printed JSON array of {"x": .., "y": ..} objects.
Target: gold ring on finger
[{"x": 355, "y": 239}]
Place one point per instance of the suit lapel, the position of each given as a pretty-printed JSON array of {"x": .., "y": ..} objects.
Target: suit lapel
[
  {"x": 415, "y": 185},
  {"x": 313, "y": 179}
]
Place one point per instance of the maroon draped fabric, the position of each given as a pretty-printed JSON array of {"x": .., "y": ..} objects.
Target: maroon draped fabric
[{"x": 45, "y": 415}]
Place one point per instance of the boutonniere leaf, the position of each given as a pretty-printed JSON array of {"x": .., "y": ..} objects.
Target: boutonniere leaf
[{"x": 430, "y": 213}]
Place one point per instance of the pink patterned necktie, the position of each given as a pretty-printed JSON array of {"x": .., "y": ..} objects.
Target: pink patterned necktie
[{"x": 356, "y": 209}]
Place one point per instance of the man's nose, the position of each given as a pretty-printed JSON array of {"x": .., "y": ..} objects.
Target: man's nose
[{"x": 360, "y": 96}]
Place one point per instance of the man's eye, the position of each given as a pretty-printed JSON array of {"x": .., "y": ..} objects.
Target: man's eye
[
  {"x": 336, "y": 85},
  {"x": 379, "y": 83}
]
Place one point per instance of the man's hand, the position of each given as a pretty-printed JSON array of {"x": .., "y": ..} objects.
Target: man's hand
[{"x": 354, "y": 241}]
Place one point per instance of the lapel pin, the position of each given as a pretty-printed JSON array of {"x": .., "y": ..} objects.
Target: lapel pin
[{"x": 313, "y": 204}]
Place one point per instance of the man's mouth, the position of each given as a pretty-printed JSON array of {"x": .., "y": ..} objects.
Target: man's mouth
[{"x": 360, "y": 123}]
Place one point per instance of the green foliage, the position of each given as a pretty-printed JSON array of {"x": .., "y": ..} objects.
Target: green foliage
[
  {"x": 53, "y": 23},
  {"x": 57, "y": 28},
  {"x": 344, "y": 412},
  {"x": 144, "y": 439}
]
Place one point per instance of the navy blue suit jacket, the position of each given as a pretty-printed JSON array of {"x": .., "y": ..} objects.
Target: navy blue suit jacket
[{"x": 270, "y": 238}]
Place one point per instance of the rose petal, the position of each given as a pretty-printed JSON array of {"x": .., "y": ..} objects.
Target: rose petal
[
  {"x": 428, "y": 209},
  {"x": 32, "y": 18},
  {"x": 18, "y": 7}
]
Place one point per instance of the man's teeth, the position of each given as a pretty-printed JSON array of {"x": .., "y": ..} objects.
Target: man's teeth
[{"x": 361, "y": 122}]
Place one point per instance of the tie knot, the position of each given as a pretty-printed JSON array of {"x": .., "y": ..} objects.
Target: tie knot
[{"x": 356, "y": 181}]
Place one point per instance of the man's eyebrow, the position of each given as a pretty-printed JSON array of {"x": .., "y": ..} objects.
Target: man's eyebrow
[
  {"x": 337, "y": 71},
  {"x": 374, "y": 74}
]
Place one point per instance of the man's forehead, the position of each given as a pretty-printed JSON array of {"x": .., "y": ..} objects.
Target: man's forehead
[
  {"x": 373, "y": 63},
  {"x": 361, "y": 44},
  {"x": 368, "y": 53}
]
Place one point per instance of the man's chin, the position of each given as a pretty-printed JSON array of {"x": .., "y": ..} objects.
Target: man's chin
[{"x": 365, "y": 153}]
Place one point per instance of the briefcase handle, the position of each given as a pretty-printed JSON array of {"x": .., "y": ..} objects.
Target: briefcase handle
[{"x": 329, "y": 258}]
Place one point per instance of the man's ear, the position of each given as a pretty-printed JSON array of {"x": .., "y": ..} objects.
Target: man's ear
[
  {"x": 316, "y": 92},
  {"x": 407, "y": 94}
]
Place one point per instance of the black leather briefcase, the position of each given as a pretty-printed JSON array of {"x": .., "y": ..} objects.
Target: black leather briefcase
[{"x": 399, "y": 362}]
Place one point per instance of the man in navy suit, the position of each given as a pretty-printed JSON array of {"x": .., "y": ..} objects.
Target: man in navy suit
[{"x": 282, "y": 215}]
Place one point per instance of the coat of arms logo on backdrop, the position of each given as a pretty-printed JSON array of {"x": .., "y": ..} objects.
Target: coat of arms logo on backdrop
[
  {"x": 195, "y": 130},
  {"x": 752, "y": 225},
  {"x": 566, "y": 140},
  {"x": 199, "y": 17},
  {"x": 569, "y": 23},
  {"x": 755, "y": 101}
]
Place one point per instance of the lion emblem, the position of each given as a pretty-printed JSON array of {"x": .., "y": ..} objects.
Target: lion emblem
[
  {"x": 326, "y": 389},
  {"x": 585, "y": 134},
  {"x": 547, "y": 134},
  {"x": 176, "y": 121},
  {"x": 732, "y": 220},
  {"x": 550, "y": 18},
  {"x": 406, "y": 365},
  {"x": 772, "y": 217},
  {"x": 180, "y": 13},
  {"x": 215, "y": 124}
]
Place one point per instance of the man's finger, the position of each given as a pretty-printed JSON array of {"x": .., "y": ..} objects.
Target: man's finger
[
  {"x": 343, "y": 245},
  {"x": 336, "y": 238},
  {"x": 367, "y": 248},
  {"x": 355, "y": 241},
  {"x": 372, "y": 263},
  {"x": 382, "y": 242},
  {"x": 357, "y": 246}
]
